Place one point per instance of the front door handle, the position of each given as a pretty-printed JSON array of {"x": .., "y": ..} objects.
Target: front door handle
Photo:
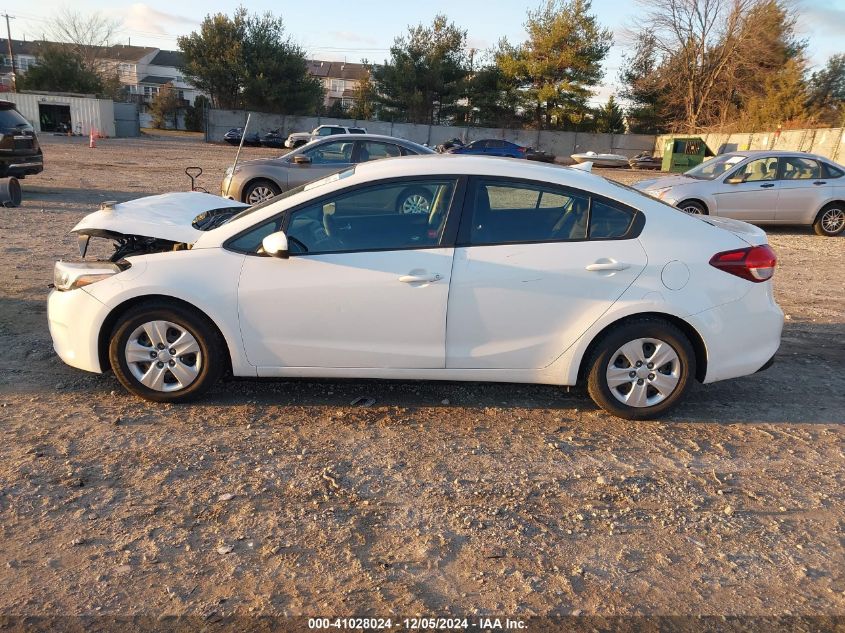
[
  {"x": 820, "y": 182},
  {"x": 767, "y": 185},
  {"x": 420, "y": 279},
  {"x": 604, "y": 266}
]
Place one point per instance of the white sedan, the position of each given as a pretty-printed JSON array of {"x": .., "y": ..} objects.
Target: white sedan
[{"x": 513, "y": 272}]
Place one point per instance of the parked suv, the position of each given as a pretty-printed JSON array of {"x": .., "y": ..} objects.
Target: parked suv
[
  {"x": 20, "y": 154},
  {"x": 301, "y": 138}
]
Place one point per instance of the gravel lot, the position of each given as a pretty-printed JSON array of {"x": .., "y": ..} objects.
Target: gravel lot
[{"x": 279, "y": 498}]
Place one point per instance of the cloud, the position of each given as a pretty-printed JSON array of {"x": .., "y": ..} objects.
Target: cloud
[
  {"x": 815, "y": 20},
  {"x": 142, "y": 18}
]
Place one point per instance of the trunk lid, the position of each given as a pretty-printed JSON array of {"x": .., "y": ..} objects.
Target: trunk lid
[{"x": 753, "y": 235}]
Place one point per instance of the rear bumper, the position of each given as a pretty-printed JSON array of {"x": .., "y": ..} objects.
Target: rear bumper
[
  {"x": 19, "y": 166},
  {"x": 741, "y": 337}
]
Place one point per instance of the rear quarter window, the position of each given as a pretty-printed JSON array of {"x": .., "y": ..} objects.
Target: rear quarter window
[
  {"x": 608, "y": 221},
  {"x": 829, "y": 171},
  {"x": 11, "y": 118}
]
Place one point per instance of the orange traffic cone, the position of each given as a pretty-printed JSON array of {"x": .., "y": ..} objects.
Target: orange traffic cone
[{"x": 92, "y": 141}]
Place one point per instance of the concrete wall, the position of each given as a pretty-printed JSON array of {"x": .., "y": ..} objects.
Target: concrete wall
[
  {"x": 828, "y": 142},
  {"x": 561, "y": 144},
  {"x": 85, "y": 114}
]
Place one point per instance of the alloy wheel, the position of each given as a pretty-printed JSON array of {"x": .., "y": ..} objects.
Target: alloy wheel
[
  {"x": 832, "y": 220},
  {"x": 260, "y": 194},
  {"x": 163, "y": 356},
  {"x": 643, "y": 372},
  {"x": 692, "y": 210},
  {"x": 416, "y": 203}
]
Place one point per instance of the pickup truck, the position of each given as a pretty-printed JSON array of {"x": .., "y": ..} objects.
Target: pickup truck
[{"x": 301, "y": 138}]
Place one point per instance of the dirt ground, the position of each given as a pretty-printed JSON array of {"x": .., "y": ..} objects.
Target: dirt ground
[{"x": 280, "y": 498}]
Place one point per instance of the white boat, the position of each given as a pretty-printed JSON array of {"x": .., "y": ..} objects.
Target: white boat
[{"x": 601, "y": 160}]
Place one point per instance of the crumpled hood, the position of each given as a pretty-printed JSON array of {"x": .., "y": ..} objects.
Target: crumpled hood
[
  {"x": 168, "y": 216},
  {"x": 662, "y": 183}
]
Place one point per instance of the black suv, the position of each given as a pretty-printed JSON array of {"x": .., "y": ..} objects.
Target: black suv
[{"x": 20, "y": 154}]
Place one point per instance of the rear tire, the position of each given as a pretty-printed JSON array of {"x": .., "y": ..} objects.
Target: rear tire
[
  {"x": 692, "y": 207},
  {"x": 620, "y": 380},
  {"x": 830, "y": 221},
  {"x": 166, "y": 353}
]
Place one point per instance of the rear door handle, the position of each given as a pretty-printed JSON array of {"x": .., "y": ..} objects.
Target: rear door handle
[
  {"x": 420, "y": 279},
  {"x": 766, "y": 186},
  {"x": 600, "y": 266},
  {"x": 820, "y": 182}
]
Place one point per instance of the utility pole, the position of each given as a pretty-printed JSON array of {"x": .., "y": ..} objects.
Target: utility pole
[{"x": 11, "y": 53}]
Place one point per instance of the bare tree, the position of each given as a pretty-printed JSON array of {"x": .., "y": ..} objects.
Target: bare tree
[
  {"x": 88, "y": 35},
  {"x": 716, "y": 54}
]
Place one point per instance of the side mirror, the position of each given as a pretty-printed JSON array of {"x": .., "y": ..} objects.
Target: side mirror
[
  {"x": 299, "y": 159},
  {"x": 276, "y": 245},
  {"x": 735, "y": 180}
]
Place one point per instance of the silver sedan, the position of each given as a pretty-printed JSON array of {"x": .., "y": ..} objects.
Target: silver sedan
[
  {"x": 761, "y": 187},
  {"x": 257, "y": 180}
]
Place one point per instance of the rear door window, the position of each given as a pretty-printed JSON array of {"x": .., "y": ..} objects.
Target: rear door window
[
  {"x": 507, "y": 213},
  {"x": 371, "y": 150},
  {"x": 799, "y": 168}
]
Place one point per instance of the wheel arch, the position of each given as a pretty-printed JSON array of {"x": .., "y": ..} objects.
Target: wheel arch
[
  {"x": 700, "y": 201},
  {"x": 119, "y": 310},
  {"x": 254, "y": 179},
  {"x": 689, "y": 331}
]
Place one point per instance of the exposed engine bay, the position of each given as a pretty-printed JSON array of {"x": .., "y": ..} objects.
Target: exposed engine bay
[{"x": 155, "y": 224}]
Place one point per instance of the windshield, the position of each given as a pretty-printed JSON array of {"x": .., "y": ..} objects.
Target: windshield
[
  {"x": 715, "y": 167},
  {"x": 292, "y": 192}
]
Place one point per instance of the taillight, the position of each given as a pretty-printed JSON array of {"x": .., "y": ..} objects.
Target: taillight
[
  {"x": 755, "y": 263},
  {"x": 522, "y": 150}
]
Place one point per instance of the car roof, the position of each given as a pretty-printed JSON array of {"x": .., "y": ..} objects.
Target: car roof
[
  {"x": 469, "y": 165},
  {"x": 776, "y": 153},
  {"x": 363, "y": 137}
]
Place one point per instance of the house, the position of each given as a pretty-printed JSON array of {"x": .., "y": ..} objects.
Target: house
[
  {"x": 339, "y": 80},
  {"x": 144, "y": 70}
]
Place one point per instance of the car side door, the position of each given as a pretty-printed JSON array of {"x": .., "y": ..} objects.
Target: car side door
[
  {"x": 321, "y": 159},
  {"x": 749, "y": 192},
  {"x": 535, "y": 266},
  {"x": 366, "y": 284},
  {"x": 803, "y": 190}
]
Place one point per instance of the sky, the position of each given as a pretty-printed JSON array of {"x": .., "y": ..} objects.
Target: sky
[{"x": 331, "y": 30}]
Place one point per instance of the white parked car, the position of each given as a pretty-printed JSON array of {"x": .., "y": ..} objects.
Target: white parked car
[
  {"x": 301, "y": 138},
  {"x": 548, "y": 275},
  {"x": 763, "y": 187}
]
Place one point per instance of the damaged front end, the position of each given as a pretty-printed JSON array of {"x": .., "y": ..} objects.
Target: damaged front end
[{"x": 155, "y": 224}]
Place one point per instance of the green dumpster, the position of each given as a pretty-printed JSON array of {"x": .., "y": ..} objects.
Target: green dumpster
[{"x": 683, "y": 153}]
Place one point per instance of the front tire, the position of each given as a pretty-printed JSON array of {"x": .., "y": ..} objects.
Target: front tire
[
  {"x": 641, "y": 369},
  {"x": 830, "y": 221},
  {"x": 415, "y": 200},
  {"x": 692, "y": 207},
  {"x": 260, "y": 190},
  {"x": 166, "y": 353}
]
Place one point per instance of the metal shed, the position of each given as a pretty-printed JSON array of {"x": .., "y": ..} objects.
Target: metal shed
[{"x": 51, "y": 112}]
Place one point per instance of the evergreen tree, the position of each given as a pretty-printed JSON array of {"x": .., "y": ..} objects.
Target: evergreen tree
[{"x": 559, "y": 64}]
